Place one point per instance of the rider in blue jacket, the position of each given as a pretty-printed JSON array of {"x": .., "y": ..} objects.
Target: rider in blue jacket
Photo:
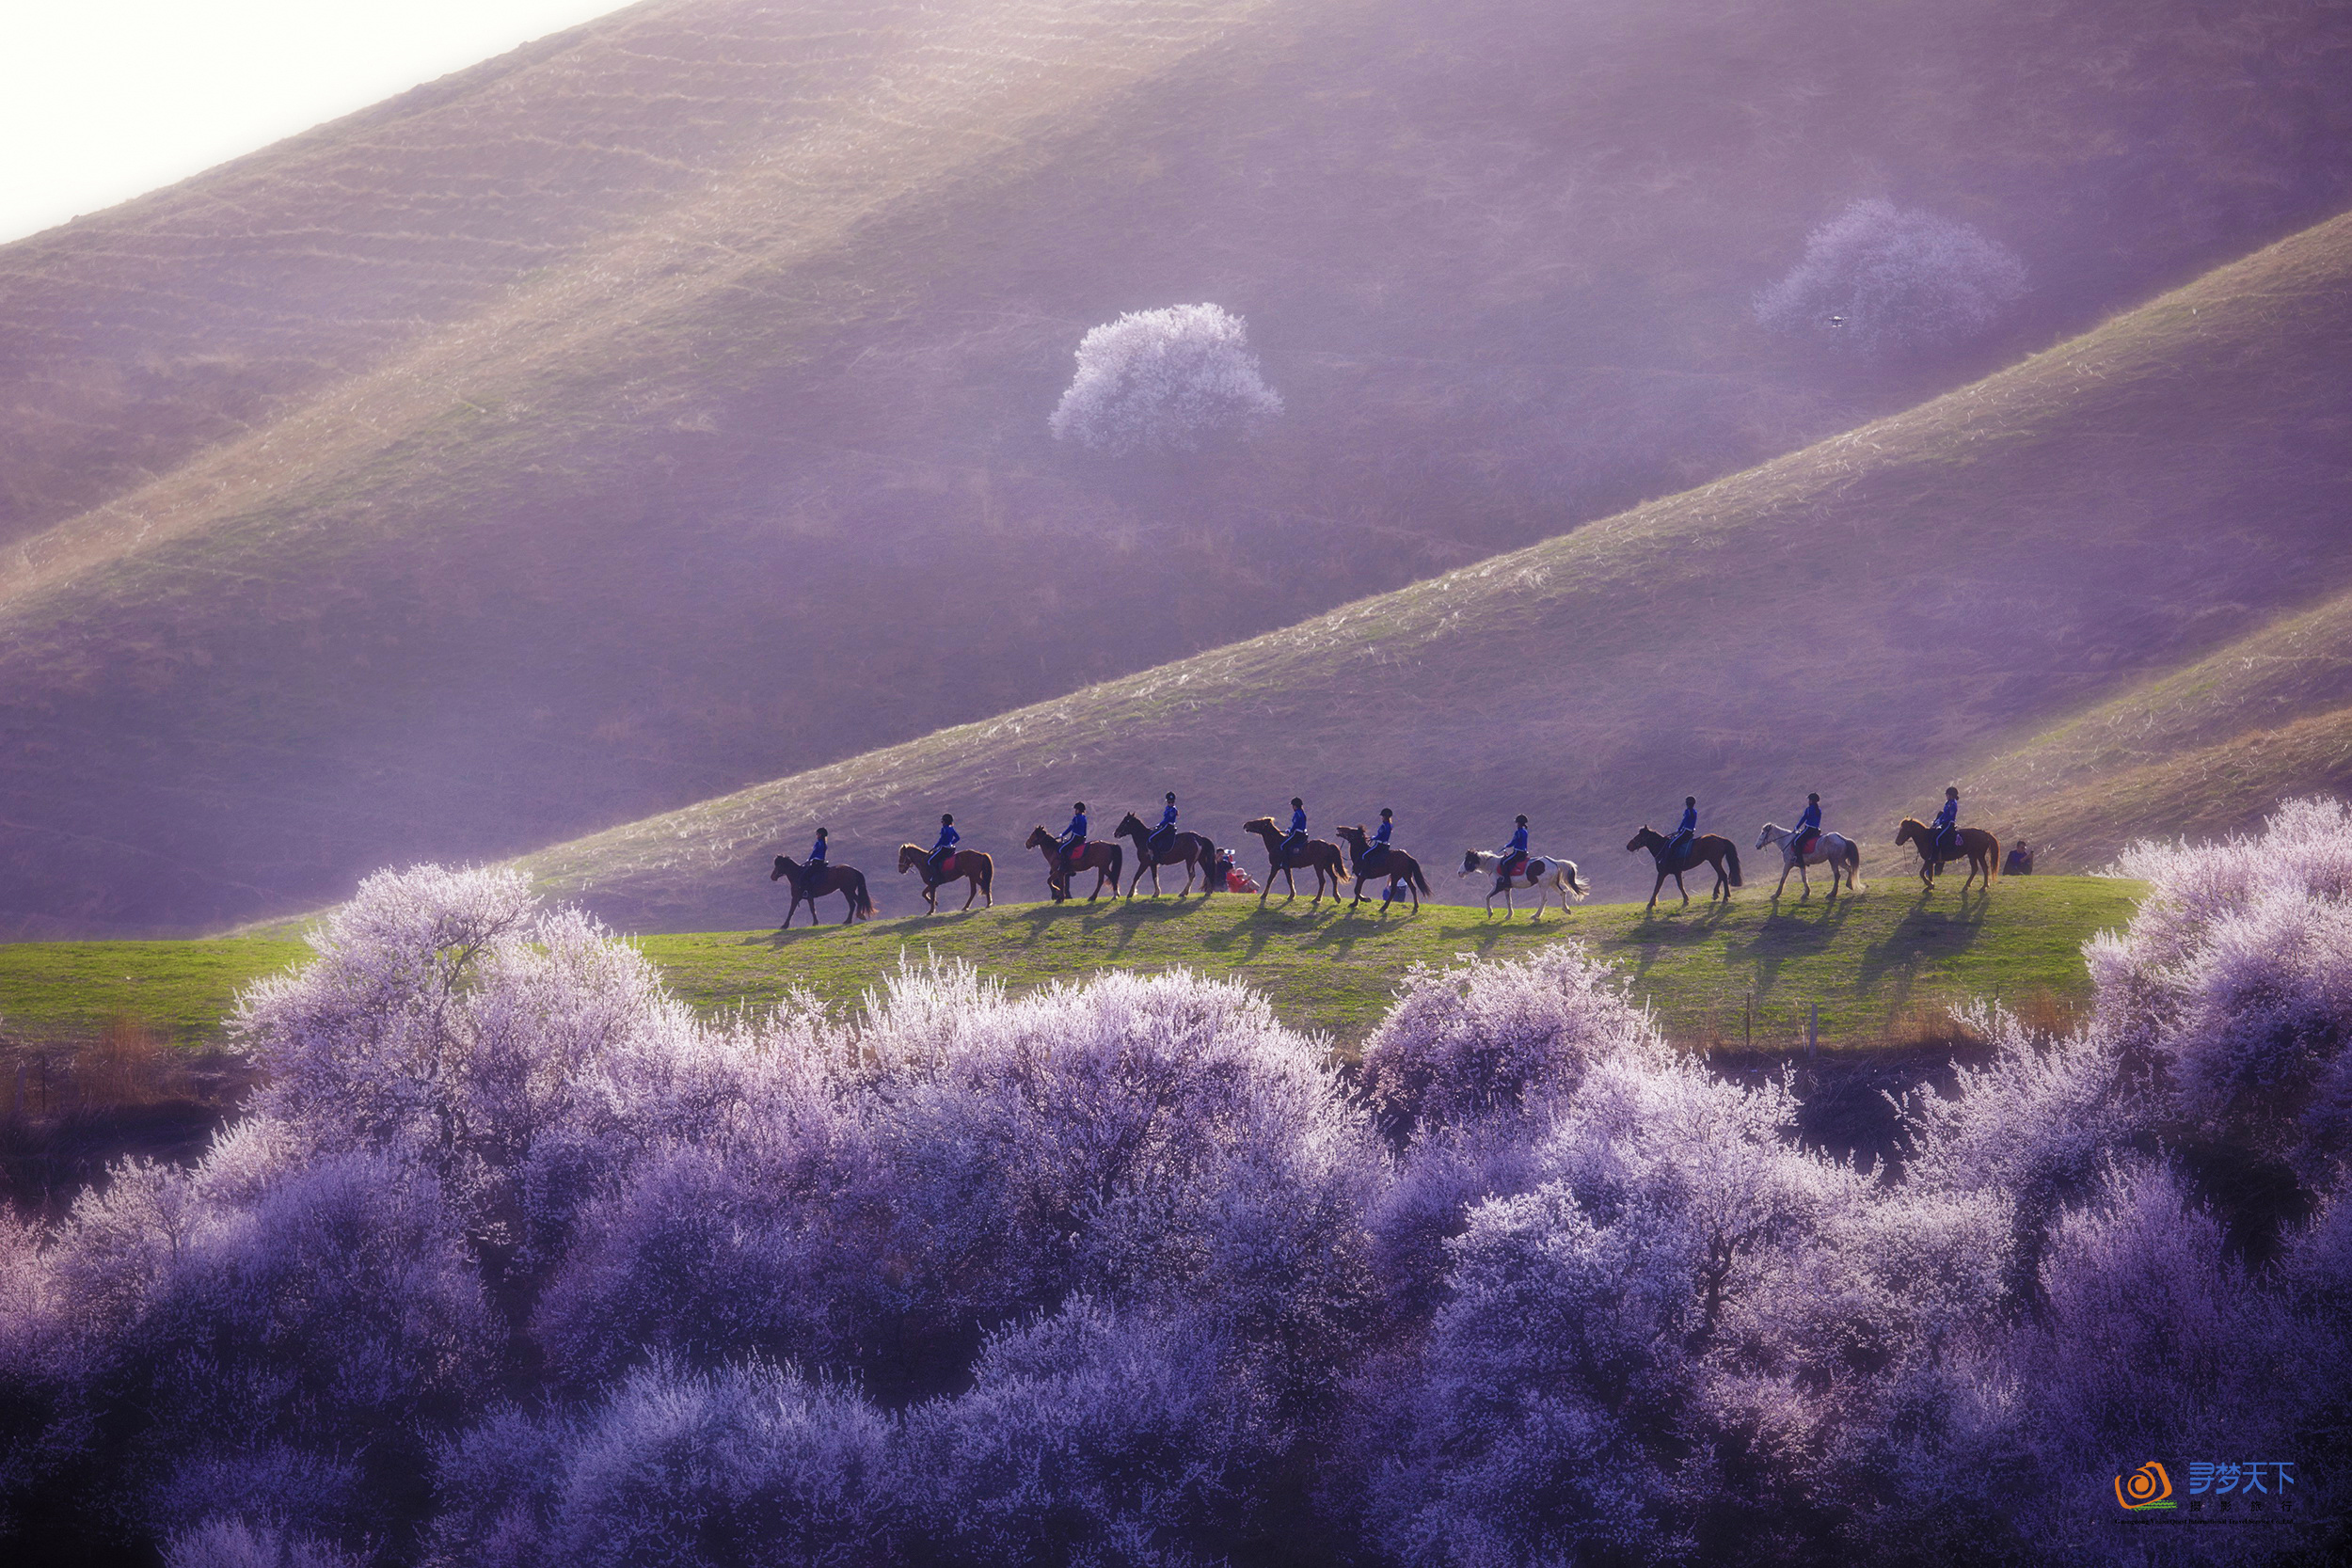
[
  {"x": 1075, "y": 834},
  {"x": 815, "y": 863},
  {"x": 1808, "y": 825},
  {"x": 1376, "y": 853},
  {"x": 948, "y": 840},
  {"x": 1512, "y": 853},
  {"x": 1947, "y": 824},
  {"x": 1298, "y": 840},
  {"x": 1380, "y": 834},
  {"x": 1687, "y": 830},
  {"x": 1164, "y": 834}
]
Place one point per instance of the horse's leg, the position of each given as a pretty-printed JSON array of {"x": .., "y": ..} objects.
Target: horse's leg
[
  {"x": 1684, "y": 888},
  {"x": 1658, "y": 887}
]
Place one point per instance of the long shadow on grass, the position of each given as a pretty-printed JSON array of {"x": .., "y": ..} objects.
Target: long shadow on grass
[
  {"x": 1930, "y": 932},
  {"x": 1784, "y": 936},
  {"x": 1653, "y": 936}
]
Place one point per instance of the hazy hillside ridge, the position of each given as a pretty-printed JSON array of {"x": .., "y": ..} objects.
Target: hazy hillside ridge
[
  {"x": 742, "y": 467},
  {"x": 1860, "y": 618}
]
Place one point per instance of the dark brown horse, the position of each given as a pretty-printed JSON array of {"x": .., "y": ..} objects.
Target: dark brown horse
[
  {"x": 970, "y": 866},
  {"x": 1320, "y": 856},
  {"x": 846, "y": 880},
  {"x": 1982, "y": 849},
  {"x": 1708, "y": 848},
  {"x": 1106, "y": 860},
  {"x": 1189, "y": 850},
  {"x": 1400, "y": 868}
]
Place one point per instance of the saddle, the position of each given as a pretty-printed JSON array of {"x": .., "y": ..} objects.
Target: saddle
[
  {"x": 1373, "y": 860},
  {"x": 947, "y": 867},
  {"x": 1806, "y": 840},
  {"x": 1513, "y": 863}
]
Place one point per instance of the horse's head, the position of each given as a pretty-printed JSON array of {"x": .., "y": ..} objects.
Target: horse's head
[
  {"x": 908, "y": 855},
  {"x": 1912, "y": 828},
  {"x": 1038, "y": 839},
  {"x": 1130, "y": 823},
  {"x": 1262, "y": 826},
  {"x": 782, "y": 866},
  {"x": 1771, "y": 831},
  {"x": 1646, "y": 839},
  {"x": 1354, "y": 836},
  {"x": 1470, "y": 862}
]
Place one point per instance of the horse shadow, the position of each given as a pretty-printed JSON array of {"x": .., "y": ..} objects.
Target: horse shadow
[
  {"x": 1785, "y": 935},
  {"x": 1923, "y": 935}
]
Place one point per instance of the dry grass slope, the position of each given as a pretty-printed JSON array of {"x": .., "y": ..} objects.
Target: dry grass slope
[{"x": 660, "y": 409}]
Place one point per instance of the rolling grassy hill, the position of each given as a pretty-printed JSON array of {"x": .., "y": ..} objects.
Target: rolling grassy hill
[
  {"x": 659, "y": 409},
  {"x": 2200, "y": 753},
  {"x": 1864, "y": 618},
  {"x": 1881, "y": 968}
]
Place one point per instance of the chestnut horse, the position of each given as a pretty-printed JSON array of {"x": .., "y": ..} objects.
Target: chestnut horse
[
  {"x": 846, "y": 880},
  {"x": 1320, "y": 856},
  {"x": 1982, "y": 849},
  {"x": 1400, "y": 868},
  {"x": 1190, "y": 851},
  {"x": 1712, "y": 849},
  {"x": 1107, "y": 861},
  {"x": 970, "y": 866}
]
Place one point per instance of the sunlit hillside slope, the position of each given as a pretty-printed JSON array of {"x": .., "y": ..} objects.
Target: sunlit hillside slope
[
  {"x": 1863, "y": 618},
  {"x": 660, "y": 408},
  {"x": 2201, "y": 753}
]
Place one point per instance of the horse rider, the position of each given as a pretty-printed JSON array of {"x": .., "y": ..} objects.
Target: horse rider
[
  {"x": 1808, "y": 829},
  {"x": 1296, "y": 843},
  {"x": 1073, "y": 837},
  {"x": 1687, "y": 830},
  {"x": 1164, "y": 836},
  {"x": 1376, "y": 852},
  {"x": 815, "y": 866},
  {"x": 935, "y": 863},
  {"x": 1948, "y": 826},
  {"x": 1512, "y": 855}
]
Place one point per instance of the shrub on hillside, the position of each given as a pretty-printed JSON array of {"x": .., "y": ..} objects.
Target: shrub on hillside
[
  {"x": 1877, "y": 278},
  {"x": 1164, "y": 380}
]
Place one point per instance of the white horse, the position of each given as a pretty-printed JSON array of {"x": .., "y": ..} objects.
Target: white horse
[
  {"x": 1539, "y": 871},
  {"x": 1842, "y": 855}
]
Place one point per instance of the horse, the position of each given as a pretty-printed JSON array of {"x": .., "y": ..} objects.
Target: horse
[
  {"x": 846, "y": 880},
  {"x": 970, "y": 866},
  {"x": 1537, "y": 873},
  {"x": 1841, "y": 854},
  {"x": 1982, "y": 849},
  {"x": 1320, "y": 856},
  {"x": 1191, "y": 850},
  {"x": 1402, "y": 869},
  {"x": 1713, "y": 848},
  {"x": 1107, "y": 861}
]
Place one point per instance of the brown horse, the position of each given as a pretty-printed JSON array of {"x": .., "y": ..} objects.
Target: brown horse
[
  {"x": 1107, "y": 861},
  {"x": 1711, "y": 849},
  {"x": 1982, "y": 849},
  {"x": 1320, "y": 856},
  {"x": 969, "y": 865},
  {"x": 1190, "y": 851},
  {"x": 846, "y": 880},
  {"x": 1400, "y": 868}
]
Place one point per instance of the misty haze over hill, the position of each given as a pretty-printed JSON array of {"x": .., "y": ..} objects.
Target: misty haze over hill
[{"x": 663, "y": 408}]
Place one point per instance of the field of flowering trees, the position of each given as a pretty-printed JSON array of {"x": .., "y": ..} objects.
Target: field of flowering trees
[{"x": 516, "y": 1261}]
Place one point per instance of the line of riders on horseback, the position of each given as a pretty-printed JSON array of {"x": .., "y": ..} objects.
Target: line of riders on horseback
[{"x": 1370, "y": 855}]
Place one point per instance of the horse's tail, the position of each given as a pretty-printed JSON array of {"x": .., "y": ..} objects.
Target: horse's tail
[
  {"x": 1995, "y": 844},
  {"x": 1853, "y": 864},
  {"x": 865, "y": 898},
  {"x": 1118, "y": 861},
  {"x": 1582, "y": 890},
  {"x": 988, "y": 871},
  {"x": 1419, "y": 882},
  {"x": 1731, "y": 852}
]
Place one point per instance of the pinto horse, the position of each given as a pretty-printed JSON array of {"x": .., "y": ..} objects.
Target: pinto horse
[
  {"x": 970, "y": 866},
  {"x": 1320, "y": 856},
  {"x": 1401, "y": 869},
  {"x": 1842, "y": 855},
  {"x": 1107, "y": 861},
  {"x": 1712, "y": 849},
  {"x": 1536, "y": 872},
  {"x": 1982, "y": 849},
  {"x": 1190, "y": 851},
  {"x": 846, "y": 880}
]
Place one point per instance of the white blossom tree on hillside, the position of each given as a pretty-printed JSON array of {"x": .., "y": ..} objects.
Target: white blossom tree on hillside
[
  {"x": 1879, "y": 278},
  {"x": 1164, "y": 380}
]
